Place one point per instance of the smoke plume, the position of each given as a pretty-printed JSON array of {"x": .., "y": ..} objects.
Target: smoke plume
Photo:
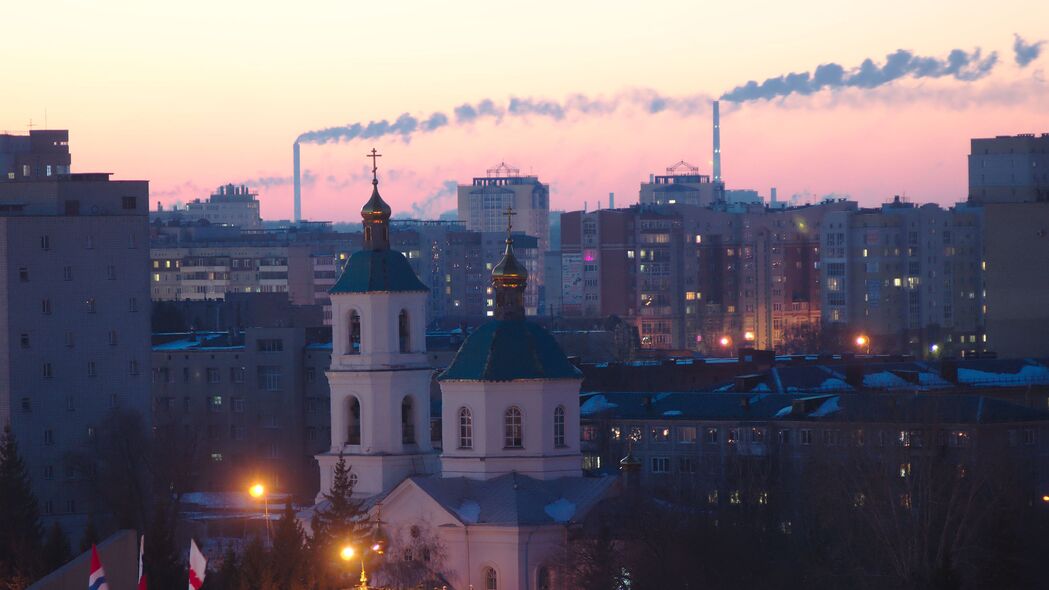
[
  {"x": 958, "y": 64},
  {"x": 1026, "y": 52},
  {"x": 408, "y": 125}
]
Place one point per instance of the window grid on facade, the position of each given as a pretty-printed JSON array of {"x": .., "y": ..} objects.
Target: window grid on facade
[
  {"x": 559, "y": 426},
  {"x": 466, "y": 429},
  {"x": 513, "y": 435}
]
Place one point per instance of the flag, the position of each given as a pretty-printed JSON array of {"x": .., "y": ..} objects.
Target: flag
[
  {"x": 141, "y": 571},
  {"x": 197, "y": 566},
  {"x": 97, "y": 579}
]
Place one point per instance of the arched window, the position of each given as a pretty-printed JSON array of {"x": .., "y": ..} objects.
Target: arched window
[
  {"x": 407, "y": 422},
  {"x": 353, "y": 423},
  {"x": 491, "y": 581},
  {"x": 355, "y": 333},
  {"x": 513, "y": 438},
  {"x": 559, "y": 426},
  {"x": 403, "y": 329},
  {"x": 542, "y": 578},
  {"x": 367, "y": 234},
  {"x": 466, "y": 429}
]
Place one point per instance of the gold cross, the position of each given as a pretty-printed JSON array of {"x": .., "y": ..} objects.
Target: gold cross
[
  {"x": 509, "y": 213},
  {"x": 375, "y": 159}
]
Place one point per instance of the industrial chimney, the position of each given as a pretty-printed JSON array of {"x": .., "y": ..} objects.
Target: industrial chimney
[
  {"x": 717, "y": 142},
  {"x": 297, "y": 181}
]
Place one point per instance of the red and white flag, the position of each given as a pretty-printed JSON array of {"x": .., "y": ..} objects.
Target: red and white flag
[
  {"x": 141, "y": 572},
  {"x": 97, "y": 579},
  {"x": 197, "y": 566}
]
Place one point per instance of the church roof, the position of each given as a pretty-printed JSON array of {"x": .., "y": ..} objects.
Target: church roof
[
  {"x": 516, "y": 499},
  {"x": 377, "y": 270},
  {"x": 506, "y": 350}
]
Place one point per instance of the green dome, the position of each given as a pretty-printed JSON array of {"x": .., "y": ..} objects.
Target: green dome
[
  {"x": 506, "y": 350},
  {"x": 377, "y": 271}
]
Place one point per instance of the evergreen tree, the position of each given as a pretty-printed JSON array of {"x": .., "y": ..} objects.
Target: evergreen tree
[
  {"x": 228, "y": 576},
  {"x": 338, "y": 520},
  {"x": 90, "y": 535},
  {"x": 288, "y": 554},
  {"x": 163, "y": 561},
  {"x": 256, "y": 571},
  {"x": 20, "y": 530},
  {"x": 57, "y": 551}
]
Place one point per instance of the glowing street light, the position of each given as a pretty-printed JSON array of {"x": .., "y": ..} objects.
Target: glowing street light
[
  {"x": 347, "y": 553},
  {"x": 1045, "y": 498},
  {"x": 861, "y": 341},
  {"x": 748, "y": 336},
  {"x": 257, "y": 491},
  {"x": 725, "y": 341}
]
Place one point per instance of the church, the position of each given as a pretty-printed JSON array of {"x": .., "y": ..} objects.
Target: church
[{"x": 496, "y": 505}]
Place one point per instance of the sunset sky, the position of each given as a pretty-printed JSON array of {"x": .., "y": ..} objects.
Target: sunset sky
[{"x": 191, "y": 95}]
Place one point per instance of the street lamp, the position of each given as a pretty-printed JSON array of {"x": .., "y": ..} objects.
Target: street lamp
[
  {"x": 748, "y": 336},
  {"x": 863, "y": 343},
  {"x": 725, "y": 341},
  {"x": 257, "y": 491},
  {"x": 346, "y": 554}
]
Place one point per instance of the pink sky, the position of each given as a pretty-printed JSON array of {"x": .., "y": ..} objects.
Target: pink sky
[{"x": 194, "y": 95}]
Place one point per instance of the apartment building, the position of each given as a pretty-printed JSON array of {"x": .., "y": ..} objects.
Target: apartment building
[
  {"x": 483, "y": 203},
  {"x": 242, "y": 400},
  {"x": 42, "y": 154},
  {"x": 705, "y": 279},
  {"x": 724, "y": 450},
  {"x": 906, "y": 278},
  {"x": 75, "y": 337},
  {"x": 682, "y": 185},
  {"x": 230, "y": 205},
  {"x": 1009, "y": 169}
]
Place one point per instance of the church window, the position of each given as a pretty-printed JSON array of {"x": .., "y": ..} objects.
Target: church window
[
  {"x": 491, "y": 582},
  {"x": 403, "y": 331},
  {"x": 466, "y": 429},
  {"x": 355, "y": 333},
  {"x": 353, "y": 426},
  {"x": 559, "y": 426},
  {"x": 407, "y": 423},
  {"x": 513, "y": 438}
]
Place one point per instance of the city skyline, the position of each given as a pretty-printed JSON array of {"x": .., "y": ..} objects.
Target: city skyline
[{"x": 220, "y": 106}]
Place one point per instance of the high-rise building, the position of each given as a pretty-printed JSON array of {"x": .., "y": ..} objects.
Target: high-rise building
[
  {"x": 1016, "y": 256},
  {"x": 682, "y": 185},
  {"x": 76, "y": 321},
  {"x": 230, "y": 205},
  {"x": 704, "y": 279},
  {"x": 42, "y": 154},
  {"x": 907, "y": 278},
  {"x": 483, "y": 205},
  {"x": 1009, "y": 168}
]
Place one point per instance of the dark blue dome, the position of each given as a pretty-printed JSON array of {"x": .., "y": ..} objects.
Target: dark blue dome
[{"x": 505, "y": 350}]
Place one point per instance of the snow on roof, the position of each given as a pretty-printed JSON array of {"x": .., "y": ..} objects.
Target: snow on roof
[
  {"x": 1027, "y": 374},
  {"x": 827, "y": 408},
  {"x": 560, "y": 510},
  {"x": 883, "y": 380},
  {"x": 469, "y": 511},
  {"x": 597, "y": 404},
  {"x": 670, "y": 413}
]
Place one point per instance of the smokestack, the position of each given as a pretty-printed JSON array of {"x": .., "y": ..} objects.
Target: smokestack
[
  {"x": 584, "y": 206},
  {"x": 611, "y": 200},
  {"x": 717, "y": 142},
  {"x": 297, "y": 180}
]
